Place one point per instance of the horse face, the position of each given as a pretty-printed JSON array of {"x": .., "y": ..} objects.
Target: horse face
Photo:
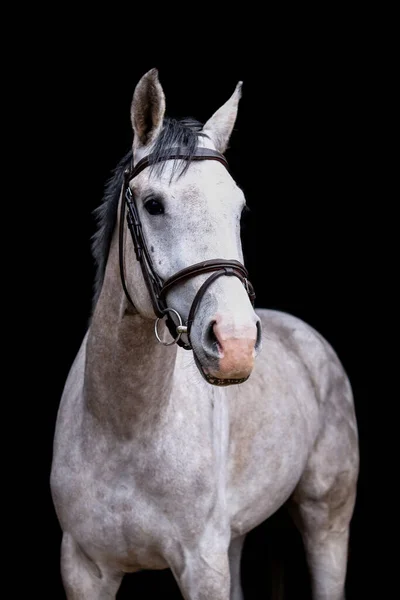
[{"x": 192, "y": 216}]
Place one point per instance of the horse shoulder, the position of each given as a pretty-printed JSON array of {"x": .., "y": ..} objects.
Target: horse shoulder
[
  {"x": 336, "y": 434},
  {"x": 297, "y": 339}
]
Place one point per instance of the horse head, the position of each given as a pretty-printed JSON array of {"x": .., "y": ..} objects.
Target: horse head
[{"x": 188, "y": 210}]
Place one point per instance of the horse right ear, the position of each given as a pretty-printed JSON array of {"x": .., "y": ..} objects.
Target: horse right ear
[
  {"x": 147, "y": 109},
  {"x": 219, "y": 127}
]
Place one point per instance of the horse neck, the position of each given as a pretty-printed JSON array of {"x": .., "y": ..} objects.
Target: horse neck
[{"x": 128, "y": 374}]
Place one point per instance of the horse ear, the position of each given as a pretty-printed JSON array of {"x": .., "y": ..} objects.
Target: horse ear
[
  {"x": 219, "y": 126},
  {"x": 148, "y": 108}
]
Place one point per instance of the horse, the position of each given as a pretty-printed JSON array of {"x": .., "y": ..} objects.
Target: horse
[{"x": 169, "y": 450}]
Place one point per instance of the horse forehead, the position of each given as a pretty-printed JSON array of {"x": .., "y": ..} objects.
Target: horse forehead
[
  {"x": 200, "y": 181},
  {"x": 208, "y": 177},
  {"x": 211, "y": 189}
]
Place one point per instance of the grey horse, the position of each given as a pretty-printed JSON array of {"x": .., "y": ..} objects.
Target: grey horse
[{"x": 167, "y": 455}]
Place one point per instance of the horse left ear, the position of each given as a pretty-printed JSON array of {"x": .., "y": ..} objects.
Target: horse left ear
[
  {"x": 148, "y": 108},
  {"x": 219, "y": 126}
]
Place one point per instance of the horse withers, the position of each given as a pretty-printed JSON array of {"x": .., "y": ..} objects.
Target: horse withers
[{"x": 167, "y": 454}]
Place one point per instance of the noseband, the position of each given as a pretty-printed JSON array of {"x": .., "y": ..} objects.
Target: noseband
[{"x": 156, "y": 286}]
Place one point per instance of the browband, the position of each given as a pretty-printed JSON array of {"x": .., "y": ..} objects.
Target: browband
[{"x": 176, "y": 154}]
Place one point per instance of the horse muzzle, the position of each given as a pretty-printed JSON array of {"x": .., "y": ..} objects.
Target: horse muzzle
[{"x": 228, "y": 350}]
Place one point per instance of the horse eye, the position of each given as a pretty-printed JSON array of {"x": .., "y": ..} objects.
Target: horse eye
[{"x": 154, "y": 207}]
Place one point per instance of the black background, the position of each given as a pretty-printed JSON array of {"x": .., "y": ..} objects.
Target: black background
[{"x": 297, "y": 152}]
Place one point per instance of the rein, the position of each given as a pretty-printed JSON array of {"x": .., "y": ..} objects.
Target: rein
[{"x": 156, "y": 286}]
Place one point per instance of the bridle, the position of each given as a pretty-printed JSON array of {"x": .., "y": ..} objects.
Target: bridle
[{"x": 156, "y": 286}]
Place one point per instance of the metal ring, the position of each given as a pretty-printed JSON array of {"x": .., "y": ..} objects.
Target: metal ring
[{"x": 156, "y": 328}]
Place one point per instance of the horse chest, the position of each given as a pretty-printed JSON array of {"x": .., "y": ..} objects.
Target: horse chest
[{"x": 130, "y": 508}]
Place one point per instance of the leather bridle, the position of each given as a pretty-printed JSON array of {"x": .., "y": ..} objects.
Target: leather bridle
[{"x": 156, "y": 286}]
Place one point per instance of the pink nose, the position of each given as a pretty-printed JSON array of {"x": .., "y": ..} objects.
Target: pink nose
[{"x": 236, "y": 343}]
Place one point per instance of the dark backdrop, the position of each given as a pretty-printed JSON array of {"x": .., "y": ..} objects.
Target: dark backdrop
[{"x": 295, "y": 151}]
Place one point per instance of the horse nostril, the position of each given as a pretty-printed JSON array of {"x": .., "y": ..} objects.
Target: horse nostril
[{"x": 211, "y": 341}]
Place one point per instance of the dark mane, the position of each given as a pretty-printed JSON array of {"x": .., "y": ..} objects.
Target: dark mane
[{"x": 182, "y": 134}]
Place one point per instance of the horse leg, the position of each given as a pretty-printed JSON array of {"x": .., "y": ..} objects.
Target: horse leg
[
  {"x": 235, "y": 555},
  {"x": 326, "y": 549},
  {"x": 202, "y": 572},
  {"x": 82, "y": 578},
  {"x": 322, "y": 506}
]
